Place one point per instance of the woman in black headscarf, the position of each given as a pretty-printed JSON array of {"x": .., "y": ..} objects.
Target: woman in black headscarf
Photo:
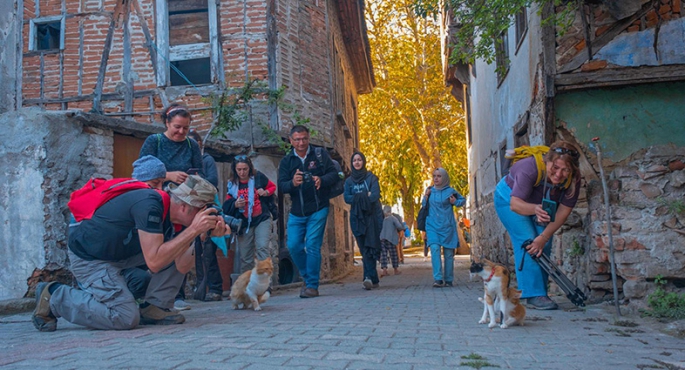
[{"x": 363, "y": 194}]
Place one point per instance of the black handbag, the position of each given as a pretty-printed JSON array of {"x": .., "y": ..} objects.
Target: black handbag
[{"x": 423, "y": 214}]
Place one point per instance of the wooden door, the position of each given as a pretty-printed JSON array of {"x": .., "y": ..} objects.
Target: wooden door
[{"x": 126, "y": 151}]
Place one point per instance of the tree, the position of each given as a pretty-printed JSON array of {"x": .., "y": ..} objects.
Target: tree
[
  {"x": 482, "y": 21},
  {"x": 410, "y": 124}
]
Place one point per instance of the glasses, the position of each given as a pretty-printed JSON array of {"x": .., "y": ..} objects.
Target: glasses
[
  {"x": 572, "y": 152},
  {"x": 300, "y": 139}
]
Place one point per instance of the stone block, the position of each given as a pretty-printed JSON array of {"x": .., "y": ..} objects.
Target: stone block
[
  {"x": 677, "y": 178},
  {"x": 635, "y": 289},
  {"x": 651, "y": 191},
  {"x": 593, "y": 65}
]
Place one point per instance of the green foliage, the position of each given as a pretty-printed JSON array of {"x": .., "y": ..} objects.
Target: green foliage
[
  {"x": 480, "y": 22},
  {"x": 674, "y": 206},
  {"x": 410, "y": 124},
  {"x": 478, "y": 361},
  {"x": 576, "y": 249},
  {"x": 230, "y": 108},
  {"x": 669, "y": 305}
]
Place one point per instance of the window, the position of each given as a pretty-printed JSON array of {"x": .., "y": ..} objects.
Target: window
[
  {"x": 47, "y": 34},
  {"x": 502, "y": 55},
  {"x": 504, "y": 163},
  {"x": 521, "y": 23},
  {"x": 187, "y": 40}
]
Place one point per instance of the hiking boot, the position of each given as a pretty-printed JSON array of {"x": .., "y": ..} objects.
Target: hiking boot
[
  {"x": 209, "y": 297},
  {"x": 309, "y": 293},
  {"x": 367, "y": 284},
  {"x": 181, "y": 305},
  {"x": 541, "y": 303},
  {"x": 43, "y": 318},
  {"x": 438, "y": 284},
  {"x": 153, "y": 315},
  {"x": 302, "y": 289},
  {"x": 448, "y": 284}
]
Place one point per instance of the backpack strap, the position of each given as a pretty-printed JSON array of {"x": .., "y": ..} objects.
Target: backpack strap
[
  {"x": 319, "y": 156},
  {"x": 166, "y": 202}
]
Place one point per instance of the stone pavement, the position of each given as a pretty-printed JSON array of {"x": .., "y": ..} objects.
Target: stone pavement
[{"x": 406, "y": 324}]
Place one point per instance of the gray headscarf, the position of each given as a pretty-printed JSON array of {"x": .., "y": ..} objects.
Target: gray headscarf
[{"x": 445, "y": 179}]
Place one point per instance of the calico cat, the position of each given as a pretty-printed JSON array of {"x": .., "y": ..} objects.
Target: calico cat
[
  {"x": 252, "y": 286},
  {"x": 514, "y": 311},
  {"x": 496, "y": 280}
]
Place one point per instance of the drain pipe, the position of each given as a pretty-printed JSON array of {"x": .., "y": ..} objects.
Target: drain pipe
[{"x": 612, "y": 261}]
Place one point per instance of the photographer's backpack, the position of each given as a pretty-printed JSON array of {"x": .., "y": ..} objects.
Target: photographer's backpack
[
  {"x": 98, "y": 191},
  {"x": 339, "y": 186},
  {"x": 538, "y": 152}
]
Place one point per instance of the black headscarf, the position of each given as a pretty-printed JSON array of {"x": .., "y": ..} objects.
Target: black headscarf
[{"x": 358, "y": 176}]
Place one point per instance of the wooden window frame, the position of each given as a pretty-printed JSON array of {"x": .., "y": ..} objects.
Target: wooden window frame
[
  {"x": 167, "y": 53},
  {"x": 34, "y": 23},
  {"x": 521, "y": 23},
  {"x": 502, "y": 56}
]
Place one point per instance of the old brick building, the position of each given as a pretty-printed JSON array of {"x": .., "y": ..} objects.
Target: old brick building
[
  {"x": 617, "y": 72},
  {"x": 122, "y": 61}
]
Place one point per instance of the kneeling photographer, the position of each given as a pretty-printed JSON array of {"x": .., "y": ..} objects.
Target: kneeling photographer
[{"x": 250, "y": 199}]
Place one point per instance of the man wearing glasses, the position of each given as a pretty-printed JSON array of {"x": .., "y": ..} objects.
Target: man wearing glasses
[{"x": 305, "y": 173}]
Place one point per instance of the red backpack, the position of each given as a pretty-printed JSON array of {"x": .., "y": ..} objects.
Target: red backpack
[{"x": 98, "y": 191}]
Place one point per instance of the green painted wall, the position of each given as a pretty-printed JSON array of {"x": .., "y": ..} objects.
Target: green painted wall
[{"x": 626, "y": 119}]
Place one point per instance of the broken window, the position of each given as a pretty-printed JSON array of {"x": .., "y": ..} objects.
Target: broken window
[
  {"x": 47, "y": 34},
  {"x": 191, "y": 28}
]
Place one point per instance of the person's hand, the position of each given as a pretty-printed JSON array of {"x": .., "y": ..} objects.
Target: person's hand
[
  {"x": 262, "y": 192},
  {"x": 317, "y": 182},
  {"x": 240, "y": 202},
  {"x": 221, "y": 228},
  {"x": 297, "y": 179},
  {"x": 428, "y": 192},
  {"x": 177, "y": 176},
  {"x": 205, "y": 220},
  {"x": 535, "y": 248},
  {"x": 541, "y": 214},
  {"x": 453, "y": 199}
]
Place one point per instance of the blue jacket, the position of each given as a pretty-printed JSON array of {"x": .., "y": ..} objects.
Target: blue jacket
[{"x": 441, "y": 227}]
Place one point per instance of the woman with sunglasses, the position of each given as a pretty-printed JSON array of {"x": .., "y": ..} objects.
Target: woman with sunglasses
[
  {"x": 249, "y": 198},
  {"x": 519, "y": 205}
]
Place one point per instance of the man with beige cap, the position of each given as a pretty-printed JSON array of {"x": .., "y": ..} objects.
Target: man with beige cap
[{"x": 131, "y": 229}]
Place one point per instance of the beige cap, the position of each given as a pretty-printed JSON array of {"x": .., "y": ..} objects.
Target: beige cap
[{"x": 195, "y": 191}]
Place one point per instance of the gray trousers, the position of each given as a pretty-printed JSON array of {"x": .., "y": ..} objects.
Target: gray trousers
[
  {"x": 254, "y": 242},
  {"x": 104, "y": 301}
]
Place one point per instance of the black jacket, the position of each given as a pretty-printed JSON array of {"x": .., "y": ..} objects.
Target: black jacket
[{"x": 306, "y": 199}]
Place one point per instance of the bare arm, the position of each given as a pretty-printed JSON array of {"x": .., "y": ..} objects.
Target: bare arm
[{"x": 539, "y": 243}]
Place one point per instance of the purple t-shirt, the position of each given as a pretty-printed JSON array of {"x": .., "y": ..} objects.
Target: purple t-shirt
[{"x": 521, "y": 179}]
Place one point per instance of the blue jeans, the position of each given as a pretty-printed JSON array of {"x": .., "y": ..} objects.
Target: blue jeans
[
  {"x": 305, "y": 235},
  {"x": 532, "y": 280},
  {"x": 436, "y": 261}
]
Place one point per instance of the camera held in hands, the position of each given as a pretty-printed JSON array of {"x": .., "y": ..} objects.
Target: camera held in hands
[
  {"x": 307, "y": 176},
  {"x": 550, "y": 207},
  {"x": 232, "y": 222}
]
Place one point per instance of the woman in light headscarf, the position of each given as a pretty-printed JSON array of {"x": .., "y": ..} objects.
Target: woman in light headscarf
[
  {"x": 441, "y": 226},
  {"x": 363, "y": 194}
]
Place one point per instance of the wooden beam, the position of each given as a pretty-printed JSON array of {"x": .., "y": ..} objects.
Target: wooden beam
[
  {"x": 105, "y": 57},
  {"x": 148, "y": 38},
  {"x": 128, "y": 79},
  {"x": 619, "y": 77},
  {"x": 605, "y": 38}
]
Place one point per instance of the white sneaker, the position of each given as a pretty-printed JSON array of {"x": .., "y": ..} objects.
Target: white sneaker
[
  {"x": 367, "y": 284},
  {"x": 181, "y": 305}
]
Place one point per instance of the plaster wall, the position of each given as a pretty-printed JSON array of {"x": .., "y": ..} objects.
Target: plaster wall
[{"x": 10, "y": 38}]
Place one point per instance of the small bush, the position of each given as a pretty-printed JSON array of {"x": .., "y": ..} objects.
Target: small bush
[{"x": 669, "y": 305}]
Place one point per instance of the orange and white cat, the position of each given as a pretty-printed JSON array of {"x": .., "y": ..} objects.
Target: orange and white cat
[
  {"x": 514, "y": 311},
  {"x": 251, "y": 288},
  {"x": 496, "y": 280}
]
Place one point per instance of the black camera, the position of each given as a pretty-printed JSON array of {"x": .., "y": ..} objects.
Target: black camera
[
  {"x": 307, "y": 176},
  {"x": 233, "y": 222}
]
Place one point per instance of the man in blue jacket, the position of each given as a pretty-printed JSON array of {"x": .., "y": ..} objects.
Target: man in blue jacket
[{"x": 305, "y": 173}]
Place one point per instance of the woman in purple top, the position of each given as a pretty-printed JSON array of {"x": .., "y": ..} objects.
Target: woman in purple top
[{"x": 518, "y": 202}]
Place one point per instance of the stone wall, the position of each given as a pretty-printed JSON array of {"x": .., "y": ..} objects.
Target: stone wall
[{"x": 44, "y": 157}]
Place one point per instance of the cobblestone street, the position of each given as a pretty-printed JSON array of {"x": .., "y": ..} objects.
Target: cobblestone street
[{"x": 406, "y": 324}]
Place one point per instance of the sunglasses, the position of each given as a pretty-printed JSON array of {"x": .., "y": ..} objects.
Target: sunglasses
[{"x": 572, "y": 152}]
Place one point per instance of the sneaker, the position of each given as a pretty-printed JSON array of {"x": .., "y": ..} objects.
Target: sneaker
[
  {"x": 541, "y": 303},
  {"x": 302, "y": 289},
  {"x": 181, "y": 305},
  {"x": 375, "y": 286},
  {"x": 309, "y": 293},
  {"x": 448, "y": 284},
  {"x": 153, "y": 315},
  {"x": 367, "y": 284},
  {"x": 438, "y": 284},
  {"x": 209, "y": 297},
  {"x": 43, "y": 318}
]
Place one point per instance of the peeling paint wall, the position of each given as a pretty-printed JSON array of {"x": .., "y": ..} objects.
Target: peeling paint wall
[{"x": 44, "y": 157}]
